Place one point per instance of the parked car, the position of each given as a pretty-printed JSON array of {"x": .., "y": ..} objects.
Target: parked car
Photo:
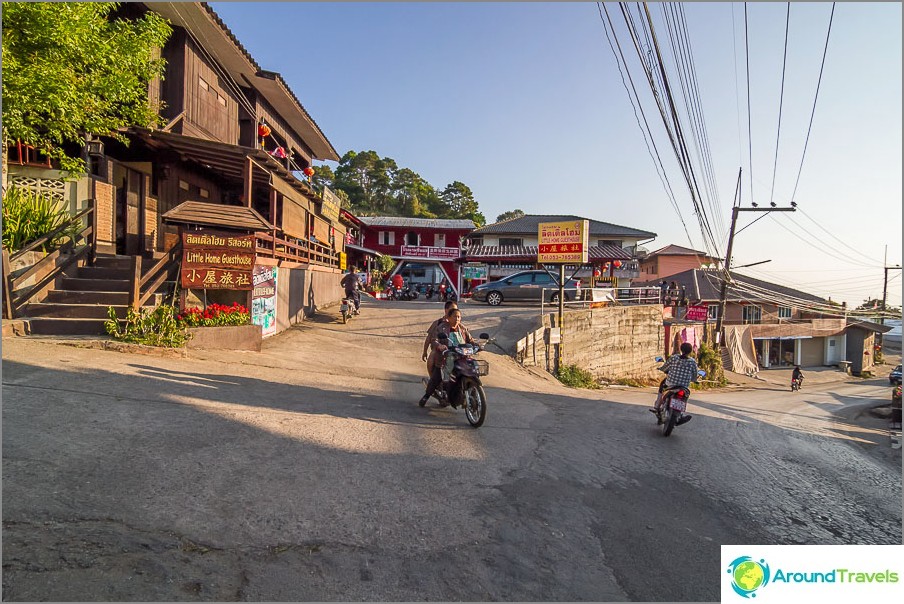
[
  {"x": 895, "y": 376},
  {"x": 525, "y": 286}
]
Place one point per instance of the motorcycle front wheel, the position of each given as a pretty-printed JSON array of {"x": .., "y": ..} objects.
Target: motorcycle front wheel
[{"x": 475, "y": 403}]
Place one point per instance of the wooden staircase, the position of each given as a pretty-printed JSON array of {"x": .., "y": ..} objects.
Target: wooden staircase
[{"x": 81, "y": 305}]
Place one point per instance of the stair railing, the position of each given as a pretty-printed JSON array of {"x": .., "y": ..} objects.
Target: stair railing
[
  {"x": 13, "y": 300},
  {"x": 142, "y": 287}
]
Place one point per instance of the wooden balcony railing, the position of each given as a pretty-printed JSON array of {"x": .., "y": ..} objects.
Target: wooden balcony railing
[
  {"x": 80, "y": 243},
  {"x": 295, "y": 250}
]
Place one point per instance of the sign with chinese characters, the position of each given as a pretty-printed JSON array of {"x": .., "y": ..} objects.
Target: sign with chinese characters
[
  {"x": 263, "y": 298},
  {"x": 329, "y": 208},
  {"x": 215, "y": 278},
  {"x": 216, "y": 260},
  {"x": 438, "y": 253},
  {"x": 561, "y": 242},
  {"x": 697, "y": 313}
]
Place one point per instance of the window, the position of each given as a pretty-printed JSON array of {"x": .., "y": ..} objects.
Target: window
[
  {"x": 615, "y": 242},
  {"x": 752, "y": 314},
  {"x": 183, "y": 185},
  {"x": 440, "y": 240},
  {"x": 503, "y": 241},
  {"x": 521, "y": 279},
  {"x": 387, "y": 238},
  {"x": 784, "y": 312},
  {"x": 204, "y": 85},
  {"x": 411, "y": 238},
  {"x": 543, "y": 279},
  {"x": 475, "y": 241},
  {"x": 712, "y": 311},
  {"x": 204, "y": 193},
  {"x": 221, "y": 100}
]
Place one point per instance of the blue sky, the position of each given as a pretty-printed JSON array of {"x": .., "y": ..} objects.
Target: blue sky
[{"x": 523, "y": 102}]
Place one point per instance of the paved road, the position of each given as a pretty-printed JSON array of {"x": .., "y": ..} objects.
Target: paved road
[{"x": 308, "y": 472}]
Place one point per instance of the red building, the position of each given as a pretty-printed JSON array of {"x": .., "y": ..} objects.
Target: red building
[{"x": 425, "y": 248}]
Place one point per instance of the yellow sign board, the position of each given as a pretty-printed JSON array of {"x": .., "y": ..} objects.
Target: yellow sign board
[
  {"x": 343, "y": 261},
  {"x": 329, "y": 207},
  {"x": 563, "y": 242}
]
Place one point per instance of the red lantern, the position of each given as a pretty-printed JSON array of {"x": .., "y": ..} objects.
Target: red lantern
[
  {"x": 596, "y": 272},
  {"x": 263, "y": 130},
  {"x": 617, "y": 264},
  {"x": 309, "y": 171}
]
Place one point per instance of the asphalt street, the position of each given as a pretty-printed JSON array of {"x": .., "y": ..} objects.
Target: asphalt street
[{"x": 308, "y": 472}]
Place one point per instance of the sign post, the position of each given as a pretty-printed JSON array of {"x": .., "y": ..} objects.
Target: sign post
[{"x": 562, "y": 243}]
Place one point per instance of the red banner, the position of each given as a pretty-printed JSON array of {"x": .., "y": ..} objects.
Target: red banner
[{"x": 216, "y": 278}]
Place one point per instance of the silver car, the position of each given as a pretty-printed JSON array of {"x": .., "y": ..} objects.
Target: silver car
[{"x": 525, "y": 286}]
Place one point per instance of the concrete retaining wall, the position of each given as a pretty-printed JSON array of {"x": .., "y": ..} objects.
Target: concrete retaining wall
[
  {"x": 612, "y": 343},
  {"x": 302, "y": 291}
]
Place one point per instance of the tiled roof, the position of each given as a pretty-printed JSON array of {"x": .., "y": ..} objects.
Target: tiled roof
[
  {"x": 423, "y": 223},
  {"x": 217, "y": 215},
  {"x": 529, "y": 224},
  {"x": 596, "y": 252},
  {"x": 705, "y": 284}
]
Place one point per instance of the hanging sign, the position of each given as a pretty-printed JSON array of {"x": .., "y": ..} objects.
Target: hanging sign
[
  {"x": 697, "y": 313},
  {"x": 263, "y": 298},
  {"x": 216, "y": 260},
  {"x": 563, "y": 242},
  {"x": 329, "y": 208}
]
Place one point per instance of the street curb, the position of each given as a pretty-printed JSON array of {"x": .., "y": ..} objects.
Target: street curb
[{"x": 113, "y": 346}]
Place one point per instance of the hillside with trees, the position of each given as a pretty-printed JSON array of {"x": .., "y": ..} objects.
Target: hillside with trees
[{"x": 370, "y": 185}]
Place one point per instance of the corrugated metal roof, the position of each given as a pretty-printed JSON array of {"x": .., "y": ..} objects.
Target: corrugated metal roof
[
  {"x": 595, "y": 252},
  {"x": 423, "y": 223},
  {"x": 529, "y": 224},
  {"x": 217, "y": 215},
  {"x": 705, "y": 284}
]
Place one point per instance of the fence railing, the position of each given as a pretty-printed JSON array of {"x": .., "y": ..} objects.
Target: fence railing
[
  {"x": 295, "y": 250},
  {"x": 590, "y": 297},
  {"x": 80, "y": 243},
  {"x": 142, "y": 287}
]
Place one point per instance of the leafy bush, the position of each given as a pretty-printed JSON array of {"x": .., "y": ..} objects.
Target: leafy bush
[
  {"x": 153, "y": 328},
  {"x": 28, "y": 216},
  {"x": 215, "y": 315},
  {"x": 575, "y": 377},
  {"x": 709, "y": 360}
]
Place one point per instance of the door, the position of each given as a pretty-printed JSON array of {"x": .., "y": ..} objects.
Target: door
[
  {"x": 129, "y": 212},
  {"x": 543, "y": 281},
  {"x": 519, "y": 287}
]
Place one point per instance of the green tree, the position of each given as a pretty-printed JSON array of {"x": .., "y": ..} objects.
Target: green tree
[
  {"x": 459, "y": 200},
  {"x": 510, "y": 215},
  {"x": 413, "y": 195},
  {"x": 367, "y": 179},
  {"x": 323, "y": 176},
  {"x": 71, "y": 69}
]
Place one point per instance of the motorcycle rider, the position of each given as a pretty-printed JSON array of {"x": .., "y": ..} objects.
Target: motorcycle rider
[
  {"x": 680, "y": 370},
  {"x": 352, "y": 284},
  {"x": 457, "y": 334},
  {"x": 431, "y": 334},
  {"x": 797, "y": 374},
  {"x": 398, "y": 282}
]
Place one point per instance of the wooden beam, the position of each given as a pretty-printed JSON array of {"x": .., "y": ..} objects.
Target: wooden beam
[
  {"x": 7, "y": 282},
  {"x": 135, "y": 283},
  {"x": 249, "y": 181}
]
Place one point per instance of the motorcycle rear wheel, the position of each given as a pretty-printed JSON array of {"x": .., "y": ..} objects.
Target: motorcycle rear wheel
[
  {"x": 474, "y": 400},
  {"x": 671, "y": 419}
]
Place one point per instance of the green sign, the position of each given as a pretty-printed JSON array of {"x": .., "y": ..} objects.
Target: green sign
[{"x": 474, "y": 271}]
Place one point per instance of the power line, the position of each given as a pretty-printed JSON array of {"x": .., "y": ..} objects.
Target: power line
[
  {"x": 830, "y": 234},
  {"x": 781, "y": 99},
  {"x": 663, "y": 177},
  {"x": 815, "y": 98}
]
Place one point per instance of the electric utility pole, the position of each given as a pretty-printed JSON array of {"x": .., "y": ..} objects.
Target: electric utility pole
[{"x": 734, "y": 219}]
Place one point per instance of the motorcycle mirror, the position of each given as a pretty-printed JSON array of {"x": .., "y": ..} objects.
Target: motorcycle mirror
[
  {"x": 484, "y": 336},
  {"x": 701, "y": 373},
  {"x": 658, "y": 359}
]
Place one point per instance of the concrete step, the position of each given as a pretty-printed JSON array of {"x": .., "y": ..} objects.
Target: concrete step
[
  {"x": 74, "y": 311},
  {"x": 46, "y": 326},
  {"x": 95, "y": 285},
  {"x": 59, "y": 296}
]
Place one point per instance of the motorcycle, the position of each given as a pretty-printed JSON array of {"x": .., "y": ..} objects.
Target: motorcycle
[
  {"x": 347, "y": 308},
  {"x": 796, "y": 384},
  {"x": 408, "y": 293},
  {"x": 465, "y": 388},
  {"x": 428, "y": 293},
  {"x": 673, "y": 406}
]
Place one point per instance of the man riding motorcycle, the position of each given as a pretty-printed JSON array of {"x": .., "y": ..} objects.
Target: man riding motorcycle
[
  {"x": 431, "y": 335},
  {"x": 457, "y": 334},
  {"x": 680, "y": 370},
  {"x": 352, "y": 284}
]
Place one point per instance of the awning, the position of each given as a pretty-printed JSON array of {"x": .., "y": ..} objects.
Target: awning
[
  {"x": 596, "y": 253},
  {"x": 203, "y": 213},
  {"x": 363, "y": 249}
]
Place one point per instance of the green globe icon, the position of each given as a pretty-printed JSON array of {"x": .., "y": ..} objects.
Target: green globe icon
[{"x": 748, "y": 575}]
